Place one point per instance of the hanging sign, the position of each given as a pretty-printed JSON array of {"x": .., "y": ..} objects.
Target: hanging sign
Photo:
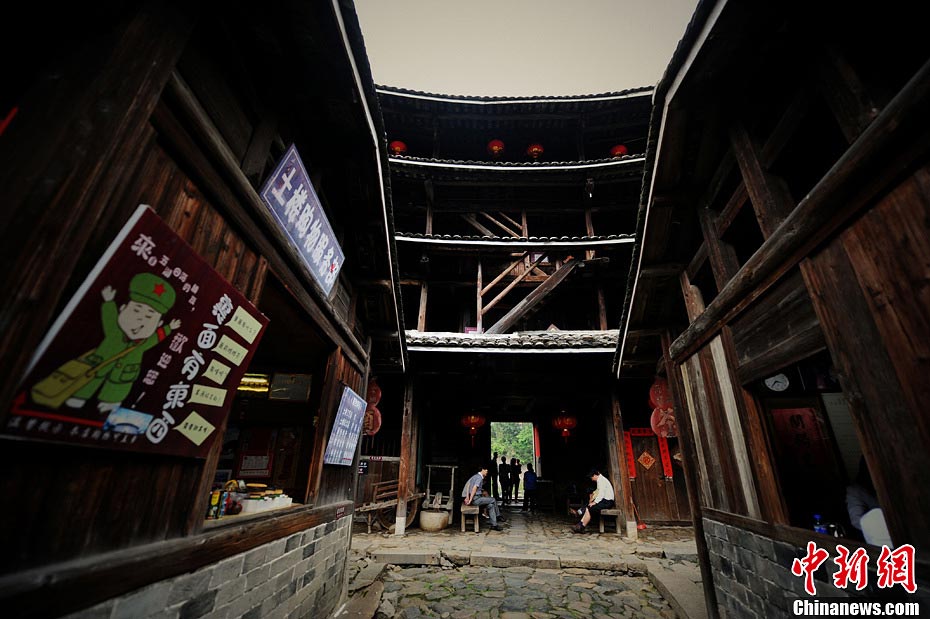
[
  {"x": 147, "y": 354},
  {"x": 346, "y": 428},
  {"x": 290, "y": 196}
]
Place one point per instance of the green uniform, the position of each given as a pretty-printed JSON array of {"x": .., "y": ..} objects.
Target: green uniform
[{"x": 115, "y": 380}]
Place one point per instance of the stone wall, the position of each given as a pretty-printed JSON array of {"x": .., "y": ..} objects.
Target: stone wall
[
  {"x": 752, "y": 573},
  {"x": 301, "y": 575}
]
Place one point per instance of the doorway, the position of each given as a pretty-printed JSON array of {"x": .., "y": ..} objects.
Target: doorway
[{"x": 515, "y": 440}]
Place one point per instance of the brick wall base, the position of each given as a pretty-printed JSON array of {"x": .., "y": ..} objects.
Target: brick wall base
[{"x": 300, "y": 576}]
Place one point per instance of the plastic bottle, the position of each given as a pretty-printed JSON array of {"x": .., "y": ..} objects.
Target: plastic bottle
[{"x": 819, "y": 526}]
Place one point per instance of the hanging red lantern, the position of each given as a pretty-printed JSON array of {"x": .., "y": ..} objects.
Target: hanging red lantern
[
  {"x": 495, "y": 148},
  {"x": 565, "y": 423},
  {"x": 659, "y": 395},
  {"x": 662, "y": 421},
  {"x": 372, "y": 421},
  {"x": 472, "y": 421},
  {"x": 535, "y": 150},
  {"x": 619, "y": 150},
  {"x": 373, "y": 395},
  {"x": 397, "y": 147}
]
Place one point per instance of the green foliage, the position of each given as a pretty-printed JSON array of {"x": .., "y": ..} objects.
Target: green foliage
[{"x": 514, "y": 440}]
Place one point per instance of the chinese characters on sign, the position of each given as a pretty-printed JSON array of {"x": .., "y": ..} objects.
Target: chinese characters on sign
[
  {"x": 894, "y": 567},
  {"x": 346, "y": 428},
  {"x": 145, "y": 354},
  {"x": 296, "y": 207}
]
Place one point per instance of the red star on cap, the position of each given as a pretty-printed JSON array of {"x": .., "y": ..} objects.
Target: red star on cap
[{"x": 159, "y": 289}]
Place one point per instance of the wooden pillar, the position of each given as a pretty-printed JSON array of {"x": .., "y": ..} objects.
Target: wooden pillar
[
  {"x": 624, "y": 489},
  {"x": 687, "y": 444},
  {"x": 479, "y": 313},
  {"x": 408, "y": 447},
  {"x": 421, "y": 315}
]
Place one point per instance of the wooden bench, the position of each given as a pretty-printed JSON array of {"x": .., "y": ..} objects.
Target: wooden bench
[
  {"x": 474, "y": 512},
  {"x": 612, "y": 513}
]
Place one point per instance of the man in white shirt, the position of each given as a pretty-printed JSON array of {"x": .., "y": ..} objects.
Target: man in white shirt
[{"x": 601, "y": 498}]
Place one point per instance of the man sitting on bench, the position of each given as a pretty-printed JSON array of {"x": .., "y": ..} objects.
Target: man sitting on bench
[
  {"x": 601, "y": 498},
  {"x": 472, "y": 496}
]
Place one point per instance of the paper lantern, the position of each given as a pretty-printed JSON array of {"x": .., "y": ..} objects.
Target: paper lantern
[
  {"x": 397, "y": 147},
  {"x": 472, "y": 421},
  {"x": 565, "y": 423},
  {"x": 619, "y": 150},
  {"x": 663, "y": 422},
  {"x": 372, "y": 421},
  {"x": 659, "y": 394},
  {"x": 495, "y": 148},
  {"x": 535, "y": 150},
  {"x": 373, "y": 395}
]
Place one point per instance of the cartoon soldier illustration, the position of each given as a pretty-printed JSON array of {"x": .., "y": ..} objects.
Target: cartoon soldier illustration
[{"x": 110, "y": 370}]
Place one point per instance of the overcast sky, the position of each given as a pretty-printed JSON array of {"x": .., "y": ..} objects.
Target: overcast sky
[{"x": 521, "y": 47}]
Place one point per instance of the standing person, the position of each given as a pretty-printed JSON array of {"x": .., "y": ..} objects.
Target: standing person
[
  {"x": 514, "y": 479},
  {"x": 492, "y": 471},
  {"x": 471, "y": 494},
  {"x": 503, "y": 471},
  {"x": 601, "y": 498},
  {"x": 529, "y": 489}
]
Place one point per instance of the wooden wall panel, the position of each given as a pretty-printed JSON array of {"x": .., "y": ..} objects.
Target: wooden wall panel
[{"x": 779, "y": 329}]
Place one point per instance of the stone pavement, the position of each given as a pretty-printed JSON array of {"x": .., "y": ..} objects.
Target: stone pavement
[{"x": 539, "y": 546}]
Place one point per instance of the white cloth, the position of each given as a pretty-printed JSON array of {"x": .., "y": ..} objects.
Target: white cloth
[
  {"x": 604, "y": 490},
  {"x": 874, "y": 528}
]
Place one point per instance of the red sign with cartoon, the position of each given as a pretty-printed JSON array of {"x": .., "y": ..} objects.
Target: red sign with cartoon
[{"x": 146, "y": 356}]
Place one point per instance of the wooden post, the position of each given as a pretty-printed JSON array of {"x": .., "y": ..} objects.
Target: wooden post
[
  {"x": 421, "y": 315},
  {"x": 407, "y": 447},
  {"x": 618, "y": 446},
  {"x": 687, "y": 444},
  {"x": 480, "y": 312}
]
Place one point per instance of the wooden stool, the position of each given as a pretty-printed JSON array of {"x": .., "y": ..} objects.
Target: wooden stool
[
  {"x": 612, "y": 513},
  {"x": 471, "y": 510}
]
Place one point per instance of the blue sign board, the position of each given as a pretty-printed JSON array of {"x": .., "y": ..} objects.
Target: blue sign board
[
  {"x": 343, "y": 438},
  {"x": 295, "y": 206}
]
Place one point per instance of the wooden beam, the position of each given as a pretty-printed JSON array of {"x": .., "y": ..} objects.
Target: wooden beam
[
  {"x": 407, "y": 453},
  {"x": 601, "y": 308},
  {"x": 470, "y": 218},
  {"x": 873, "y": 160},
  {"x": 844, "y": 92},
  {"x": 723, "y": 261},
  {"x": 687, "y": 445},
  {"x": 504, "y": 273},
  {"x": 589, "y": 227},
  {"x": 256, "y": 155},
  {"x": 618, "y": 445},
  {"x": 421, "y": 315},
  {"x": 480, "y": 313},
  {"x": 768, "y": 193},
  {"x": 732, "y": 208},
  {"x": 500, "y": 225},
  {"x": 533, "y": 298},
  {"x": 657, "y": 271},
  {"x": 697, "y": 261},
  {"x": 509, "y": 287},
  {"x": 513, "y": 222}
]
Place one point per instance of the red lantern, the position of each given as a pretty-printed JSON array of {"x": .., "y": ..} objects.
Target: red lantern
[
  {"x": 495, "y": 148},
  {"x": 534, "y": 150},
  {"x": 472, "y": 421},
  {"x": 373, "y": 395},
  {"x": 659, "y": 395},
  {"x": 397, "y": 147},
  {"x": 372, "y": 421},
  {"x": 564, "y": 422},
  {"x": 619, "y": 150}
]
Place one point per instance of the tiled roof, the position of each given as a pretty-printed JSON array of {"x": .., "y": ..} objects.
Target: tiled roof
[
  {"x": 553, "y": 341},
  {"x": 514, "y": 242}
]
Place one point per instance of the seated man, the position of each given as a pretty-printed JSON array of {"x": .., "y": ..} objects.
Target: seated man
[
  {"x": 601, "y": 498},
  {"x": 472, "y": 495}
]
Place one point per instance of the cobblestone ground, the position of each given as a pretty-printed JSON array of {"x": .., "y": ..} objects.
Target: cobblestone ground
[{"x": 471, "y": 592}]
